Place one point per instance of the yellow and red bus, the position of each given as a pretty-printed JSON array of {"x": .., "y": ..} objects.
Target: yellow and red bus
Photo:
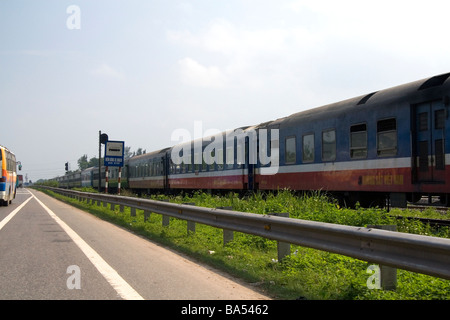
[{"x": 8, "y": 178}]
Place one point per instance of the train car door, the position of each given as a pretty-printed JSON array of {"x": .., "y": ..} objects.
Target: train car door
[
  {"x": 165, "y": 165},
  {"x": 429, "y": 142},
  {"x": 250, "y": 164}
]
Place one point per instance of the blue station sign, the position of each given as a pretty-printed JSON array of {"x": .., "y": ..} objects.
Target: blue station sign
[{"x": 114, "y": 153}]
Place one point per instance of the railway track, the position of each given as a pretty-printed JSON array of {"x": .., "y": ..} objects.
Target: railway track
[
  {"x": 437, "y": 223},
  {"x": 431, "y": 221}
]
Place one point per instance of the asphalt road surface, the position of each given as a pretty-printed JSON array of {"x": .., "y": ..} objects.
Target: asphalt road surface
[{"x": 50, "y": 250}]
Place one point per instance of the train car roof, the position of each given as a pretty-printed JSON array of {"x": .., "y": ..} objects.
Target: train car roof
[
  {"x": 416, "y": 91},
  {"x": 148, "y": 155}
]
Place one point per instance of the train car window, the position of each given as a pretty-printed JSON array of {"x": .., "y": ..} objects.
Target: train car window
[
  {"x": 308, "y": 148},
  {"x": 219, "y": 159},
  {"x": 240, "y": 155},
  {"x": 197, "y": 161},
  {"x": 358, "y": 141},
  {"x": 439, "y": 119},
  {"x": 290, "y": 154},
  {"x": 212, "y": 166},
  {"x": 387, "y": 137},
  {"x": 329, "y": 145},
  {"x": 230, "y": 158},
  {"x": 440, "y": 156},
  {"x": 423, "y": 121}
]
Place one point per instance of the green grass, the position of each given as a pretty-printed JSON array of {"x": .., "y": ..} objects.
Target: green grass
[{"x": 306, "y": 273}]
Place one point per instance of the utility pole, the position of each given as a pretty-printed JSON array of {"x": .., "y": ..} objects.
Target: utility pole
[
  {"x": 102, "y": 139},
  {"x": 99, "y": 161}
]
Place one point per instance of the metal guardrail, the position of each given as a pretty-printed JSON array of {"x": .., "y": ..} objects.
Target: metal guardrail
[{"x": 417, "y": 253}]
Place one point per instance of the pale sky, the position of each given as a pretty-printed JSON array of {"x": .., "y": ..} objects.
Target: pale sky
[{"x": 139, "y": 70}]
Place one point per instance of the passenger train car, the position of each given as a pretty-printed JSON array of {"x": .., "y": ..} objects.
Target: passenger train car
[{"x": 389, "y": 144}]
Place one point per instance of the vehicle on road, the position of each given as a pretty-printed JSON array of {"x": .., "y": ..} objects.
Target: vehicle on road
[{"x": 8, "y": 178}]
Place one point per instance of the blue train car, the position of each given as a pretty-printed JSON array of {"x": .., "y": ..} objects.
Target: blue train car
[{"x": 390, "y": 143}]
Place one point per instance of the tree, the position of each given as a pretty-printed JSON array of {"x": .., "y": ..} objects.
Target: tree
[
  {"x": 128, "y": 154},
  {"x": 93, "y": 162},
  {"x": 83, "y": 162}
]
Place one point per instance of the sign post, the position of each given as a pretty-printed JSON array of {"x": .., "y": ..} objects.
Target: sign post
[
  {"x": 102, "y": 139},
  {"x": 114, "y": 157}
]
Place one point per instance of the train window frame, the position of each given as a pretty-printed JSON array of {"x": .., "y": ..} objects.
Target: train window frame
[
  {"x": 333, "y": 150},
  {"x": 439, "y": 119},
  {"x": 219, "y": 160},
  {"x": 311, "y": 153},
  {"x": 386, "y": 130},
  {"x": 240, "y": 149},
  {"x": 290, "y": 156},
  {"x": 229, "y": 157},
  {"x": 358, "y": 152},
  {"x": 197, "y": 160}
]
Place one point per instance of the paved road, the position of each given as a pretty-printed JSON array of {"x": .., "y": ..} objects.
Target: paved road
[{"x": 50, "y": 250}]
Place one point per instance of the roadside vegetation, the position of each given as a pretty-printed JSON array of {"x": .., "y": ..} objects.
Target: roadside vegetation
[{"x": 306, "y": 273}]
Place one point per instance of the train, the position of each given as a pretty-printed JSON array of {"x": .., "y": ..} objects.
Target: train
[{"x": 388, "y": 146}]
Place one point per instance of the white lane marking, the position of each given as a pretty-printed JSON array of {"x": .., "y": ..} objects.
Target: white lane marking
[
  {"x": 12, "y": 214},
  {"x": 115, "y": 280}
]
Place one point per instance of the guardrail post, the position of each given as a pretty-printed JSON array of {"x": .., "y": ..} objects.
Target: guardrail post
[
  {"x": 190, "y": 224},
  {"x": 146, "y": 215},
  {"x": 165, "y": 219},
  {"x": 228, "y": 235},
  {"x": 388, "y": 275},
  {"x": 132, "y": 212},
  {"x": 113, "y": 207},
  {"x": 283, "y": 248}
]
